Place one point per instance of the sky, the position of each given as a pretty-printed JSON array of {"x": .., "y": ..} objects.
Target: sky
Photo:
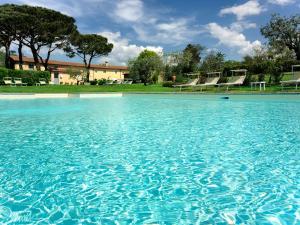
[{"x": 229, "y": 26}]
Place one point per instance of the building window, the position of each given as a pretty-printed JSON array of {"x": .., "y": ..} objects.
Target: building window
[
  {"x": 56, "y": 74},
  {"x": 31, "y": 66}
]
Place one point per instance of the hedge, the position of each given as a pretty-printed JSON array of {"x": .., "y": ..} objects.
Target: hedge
[{"x": 28, "y": 76}]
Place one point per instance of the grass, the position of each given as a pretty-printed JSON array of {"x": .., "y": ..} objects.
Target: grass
[
  {"x": 82, "y": 88},
  {"x": 135, "y": 88}
]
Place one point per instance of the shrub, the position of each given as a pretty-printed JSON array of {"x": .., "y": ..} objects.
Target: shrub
[
  {"x": 102, "y": 81},
  {"x": 168, "y": 84},
  {"x": 261, "y": 77},
  {"x": 179, "y": 78},
  {"x": 93, "y": 82},
  {"x": 28, "y": 76}
]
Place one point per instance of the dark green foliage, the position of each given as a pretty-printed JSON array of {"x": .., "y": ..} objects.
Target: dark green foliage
[
  {"x": 213, "y": 62},
  {"x": 94, "y": 82},
  {"x": 192, "y": 57},
  {"x": 88, "y": 47},
  {"x": 168, "y": 84},
  {"x": 168, "y": 73},
  {"x": 2, "y": 59},
  {"x": 30, "y": 77},
  {"x": 284, "y": 32},
  {"x": 146, "y": 67},
  {"x": 36, "y": 28},
  {"x": 102, "y": 81}
]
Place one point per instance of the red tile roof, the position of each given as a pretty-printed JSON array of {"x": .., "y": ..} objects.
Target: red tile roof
[{"x": 70, "y": 64}]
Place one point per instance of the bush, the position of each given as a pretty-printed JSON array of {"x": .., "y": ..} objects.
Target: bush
[
  {"x": 168, "y": 84},
  {"x": 102, "y": 81},
  {"x": 261, "y": 77},
  {"x": 28, "y": 76},
  {"x": 93, "y": 82}
]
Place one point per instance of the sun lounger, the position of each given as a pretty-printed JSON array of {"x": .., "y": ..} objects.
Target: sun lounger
[
  {"x": 295, "y": 81},
  {"x": 290, "y": 82},
  {"x": 234, "y": 81},
  {"x": 41, "y": 82},
  {"x": 127, "y": 82},
  {"x": 18, "y": 81},
  {"x": 211, "y": 81},
  {"x": 8, "y": 81},
  {"x": 118, "y": 82},
  {"x": 191, "y": 83},
  {"x": 109, "y": 82}
]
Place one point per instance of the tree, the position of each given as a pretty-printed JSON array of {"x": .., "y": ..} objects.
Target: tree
[
  {"x": 8, "y": 23},
  {"x": 40, "y": 29},
  {"x": 191, "y": 57},
  {"x": 2, "y": 58},
  {"x": 146, "y": 66},
  {"x": 88, "y": 47},
  {"x": 51, "y": 32},
  {"x": 284, "y": 32},
  {"x": 77, "y": 74},
  {"x": 214, "y": 61}
]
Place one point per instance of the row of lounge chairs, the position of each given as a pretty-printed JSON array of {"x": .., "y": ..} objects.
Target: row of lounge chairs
[
  {"x": 234, "y": 81},
  {"x": 18, "y": 81},
  {"x": 213, "y": 81},
  {"x": 14, "y": 82},
  {"x": 111, "y": 82}
]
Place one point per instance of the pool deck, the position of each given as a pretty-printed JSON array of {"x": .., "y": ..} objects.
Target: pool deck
[{"x": 17, "y": 96}]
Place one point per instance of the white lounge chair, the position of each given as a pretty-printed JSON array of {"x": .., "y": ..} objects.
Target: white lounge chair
[
  {"x": 109, "y": 82},
  {"x": 18, "y": 81},
  {"x": 41, "y": 82},
  {"x": 234, "y": 81},
  {"x": 127, "y": 82},
  {"x": 295, "y": 80},
  {"x": 8, "y": 81},
  {"x": 211, "y": 81},
  {"x": 190, "y": 83},
  {"x": 118, "y": 82}
]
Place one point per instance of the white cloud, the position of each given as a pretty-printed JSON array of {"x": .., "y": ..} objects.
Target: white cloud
[
  {"x": 152, "y": 26},
  {"x": 249, "y": 8},
  {"x": 239, "y": 26},
  {"x": 281, "y": 2},
  {"x": 174, "y": 32},
  {"x": 123, "y": 50},
  {"x": 68, "y": 7},
  {"x": 232, "y": 39},
  {"x": 129, "y": 10}
]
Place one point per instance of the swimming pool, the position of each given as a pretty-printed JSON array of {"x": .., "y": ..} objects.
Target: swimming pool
[{"x": 151, "y": 159}]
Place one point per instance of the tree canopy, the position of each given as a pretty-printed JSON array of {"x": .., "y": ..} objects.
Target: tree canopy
[
  {"x": 146, "y": 67},
  {"x": 284, "y": 32},
  {"x": 191, "y": 57},
  {"x": 35, "y": 27},
  {"x": 213, "y": 62},
  {"x": 88, "y": 47}
]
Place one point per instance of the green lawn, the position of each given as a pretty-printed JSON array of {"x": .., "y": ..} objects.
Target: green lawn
[{"x": 132, "y": 88}]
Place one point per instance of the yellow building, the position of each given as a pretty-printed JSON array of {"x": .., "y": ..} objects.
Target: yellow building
[{"x": 59, "y": 70}]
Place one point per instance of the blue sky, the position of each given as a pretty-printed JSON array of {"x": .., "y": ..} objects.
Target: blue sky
[{"x": 169, "y": 25}]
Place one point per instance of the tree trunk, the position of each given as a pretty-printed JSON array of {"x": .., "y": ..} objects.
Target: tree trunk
[
  {"x": 45, "y": 63},
  {"x": 20, "y": 56},
  {"x": 88, "y": 74},
  {"x": 88, "y": 66},
  {"x": 298, "y": 54},
  {"x": 35, "y": 57},
  {"x": 7, "y": 56}
]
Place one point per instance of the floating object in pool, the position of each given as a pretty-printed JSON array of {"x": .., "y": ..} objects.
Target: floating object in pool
[{"x": 225, "y": 97}]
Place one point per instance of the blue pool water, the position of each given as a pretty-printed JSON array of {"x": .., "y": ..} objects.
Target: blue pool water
[{"x": 151, "y": 159}]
